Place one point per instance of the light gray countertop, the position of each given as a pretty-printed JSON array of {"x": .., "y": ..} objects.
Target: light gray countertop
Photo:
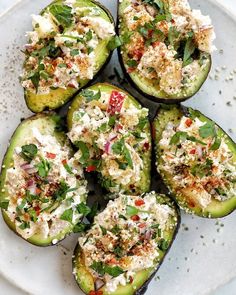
[{"x": 227, "y": 289}]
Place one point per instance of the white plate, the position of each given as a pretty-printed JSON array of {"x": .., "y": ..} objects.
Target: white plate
[{"x": 202, "y": 257}]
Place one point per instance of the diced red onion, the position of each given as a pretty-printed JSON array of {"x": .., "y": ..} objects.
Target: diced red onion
[
  {"x": 98, "y": 284},
  {"x": 199, "y": 151},
  {"x": 107, "y": 147},
  {"x": 148, "y": 235},
  {"x": 26, "y": 166}
]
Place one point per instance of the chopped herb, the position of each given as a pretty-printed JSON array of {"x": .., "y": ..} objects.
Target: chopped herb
[
  {"x": 114, "y": 43},
  {"x": 83, "y": 209},
  {"x": 173, "y": 34},
  {"x": 43, "y": 168},
  {"x": 33, "y": 215},
  {"x": 112, "y": 121},
  {"x": 61, "y": 192},
  {"x": 84, "y": 150},
  {"x": 122, "y": 216},
  {"x": 104, "y": 230},
  {"x": 35, "y": 77},
  {"x": 63, "y": 14},
  {"x": 120, "y": 148},
  {"x": 80, "y": 227},
  {"x": 28, "y": 152},
  {"x": 216, "y": 144},
  {"x": 188, "y": 51},
  {"x": 24, "y": 225},
  {"x": 132, "y": 63},
  {"x": 163, "y": 245},
  {"x": 118, "y": 251},
  {"x": 202, "y": 170},
  {"x": 207, "y": 130},
  {"x": 68, "y": 168},
  {"x": 89, "y": 95},
  {"x": 114, "y": 271},
  {"x": 131, "y": 210},
  {"x": 128, "y": 156},
  {"x": 62, "y": 66},
  {"x": 115, "y": 230},
  {"x": 74, "y": 52},
  {"x": 182, "y": 136},
  {"x": 142, "y": 122},
  {"x": 89, "y": 35},
  {"x": 98, "y": 267},
  {"x": 67, "y": 215}
]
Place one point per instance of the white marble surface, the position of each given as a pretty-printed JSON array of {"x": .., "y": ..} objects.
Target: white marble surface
[{"x": 227, "y": 287}]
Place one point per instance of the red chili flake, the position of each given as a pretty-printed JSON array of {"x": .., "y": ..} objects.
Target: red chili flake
[
  {"x": 146, "y": 146},
  {"x": 150, "y": 32},
  {"x": 69, "y": 65},
  {"x": 37, "y": 209},
  {"x": 130, "y": 70},
  {"x": 37, "y": 191},
  {"x": 193, "y": 152},
  {"x": 155, "y": 44},
  {"x": 113, "y": 261},
  {"x": 115, "y": 102},
  {"x": 64, "y": 162},
  {"x": 51, "y": 156},
  {"x": 91, "y": 168},
  {"x": 96, "y": 292},
  {"x": 138, "y": 54},
  {"x": 142, "y": 225},
  {"x": 71, "y": 85},
  {"x": 173, "y": 21},
  {"x": 131, "y": 279},
  {"x": 188, "y": 122},
  {"x": 135, "y": 218},
  {"x": 139, "y": 202},
  {"x": 191, "y": 203}
]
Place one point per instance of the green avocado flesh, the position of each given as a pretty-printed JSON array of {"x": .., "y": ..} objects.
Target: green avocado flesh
[
  {"x": 142, "y": 149},
  {"x": 58, "y": 97},
  {"x": 151, "y": 87},
  {"x": 87, "y": 279},
  {"x": 189, "y": 199},
  {"x": 46, "y": 126}
]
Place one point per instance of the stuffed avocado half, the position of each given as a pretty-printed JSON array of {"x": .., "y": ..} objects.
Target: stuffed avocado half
[
  {"x": 70, "y": 43},
  {"x": 197, "y": 161},
  {"x": 166, "y": 47},
  {"x": 112, "y": 132},
  {"x": 122, "y": 251},
  {"x": 42, "y": 187}
]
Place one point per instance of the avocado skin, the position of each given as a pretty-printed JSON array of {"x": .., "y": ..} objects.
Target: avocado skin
[
  {"x": 160, "y": 97},
  {"x": 57, "y": 98},
  {"x": 46, "y": 119},
  {"x": 146, "y": 179},
  {"x": 167, "y": 113},
  {"x": 86, "y": 284}
]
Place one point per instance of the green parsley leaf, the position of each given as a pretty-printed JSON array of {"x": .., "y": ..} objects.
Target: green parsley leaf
[
  {"x": 202, "y": 170},
  {"x": 118, "y": 251},
  {"x": 90, "y": 95},
  {"x": 35, "y": 77},
  {"x": 74, "y": 52},
  {"x": 83, "y": 209},
  {"x": 114, "y": 43},
  {"x": 84, "y": 150},
  {"x": 188, "y": 50},
  {"x": 207, "y": 130},
  {"x": 24, "y": 225},
  {"x": 216, "y": 145},
  {"x": 132, "y": 63},
  {"x": 115, "y": 230},
  {"x": 43, "y": 168},
  {"x": 127, "y": 156},
  {"x": 68, "y": 168},
  {"x": 178, "y": 136},
  {"x": 63, "y": 14},
  {"x": 104, "y": 230},
  {"x": 98, "y": 267},
  {"x": 60, "y": 193},
  {"x": 80, "y": 227},
  {"x": 113, "y": 271},
  {"x": 163, "y": 245},
  {"x": 33, "y": 215},
  {"x": 131, "y": 210},
  {"x": 28, "y": 152},
  {"x": 173, "y": 34},
  {"x": 67, "y": 215},
  {"x": 89, "y": 35}
]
